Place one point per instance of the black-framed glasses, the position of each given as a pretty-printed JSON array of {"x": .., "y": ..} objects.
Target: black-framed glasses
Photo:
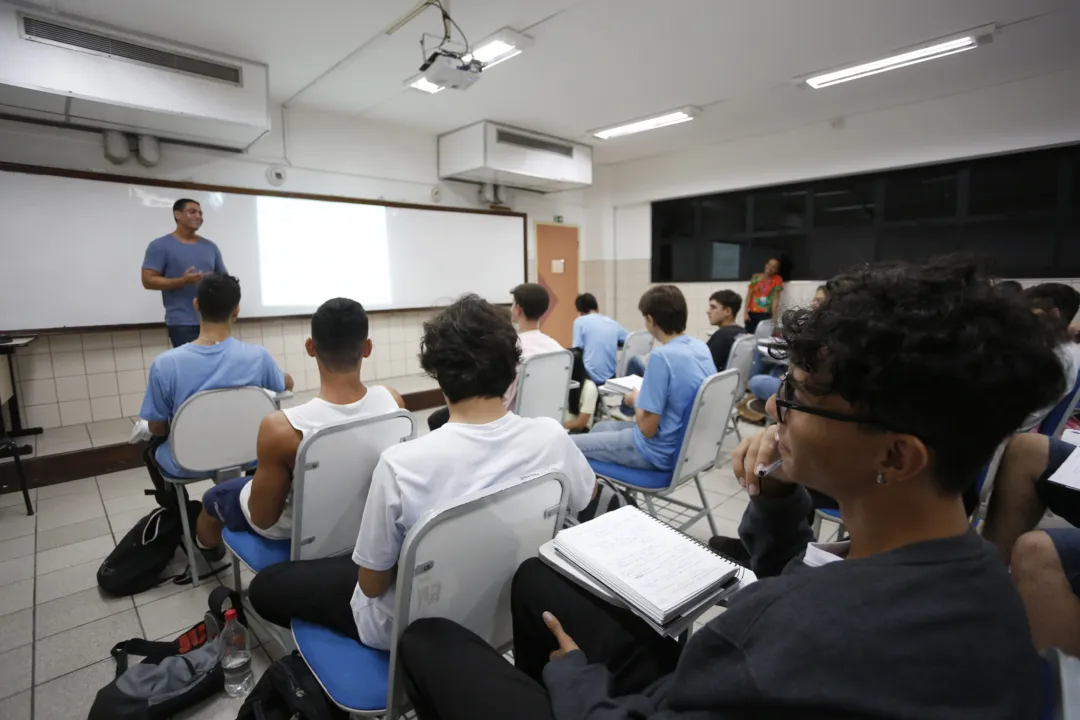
[{"x": 785, "y": 400}]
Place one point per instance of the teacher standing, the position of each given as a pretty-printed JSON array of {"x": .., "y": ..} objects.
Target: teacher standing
[
  {"x": 175, "y": 263},
  {"x": 763, "y": 296}
]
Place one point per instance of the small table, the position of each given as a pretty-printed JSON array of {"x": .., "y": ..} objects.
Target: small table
[{"x": 17, "y": 430}]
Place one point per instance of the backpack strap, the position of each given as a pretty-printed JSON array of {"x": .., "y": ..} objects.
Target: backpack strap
[
  {"x": 138, "y": 646},
  {"x": 217, "y": 600}
]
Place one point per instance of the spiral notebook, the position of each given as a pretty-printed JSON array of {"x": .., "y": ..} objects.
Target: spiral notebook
[{"x": 661, "y": 573}]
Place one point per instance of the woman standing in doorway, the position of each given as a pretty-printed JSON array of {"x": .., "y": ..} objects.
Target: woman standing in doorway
[{"x": 763, "y": 296}]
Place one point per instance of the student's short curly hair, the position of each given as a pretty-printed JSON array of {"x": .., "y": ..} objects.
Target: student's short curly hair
[
  {"x": 931, "y": 350},
  {"x": 471, "y": 349}
]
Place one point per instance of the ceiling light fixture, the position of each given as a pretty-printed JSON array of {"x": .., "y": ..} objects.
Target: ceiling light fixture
[
  {"x": 969, "y": 41},
  {"x": 671, "y": 117},
  {"x": 419, "y": 82},
  {"x": 499, "y": 47}
]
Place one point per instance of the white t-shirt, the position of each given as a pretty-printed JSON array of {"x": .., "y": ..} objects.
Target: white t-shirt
[
  {"x": 455, "y": 460},
  {"x": 313, "y": 415},
  {"x": 531, "y": 342}
]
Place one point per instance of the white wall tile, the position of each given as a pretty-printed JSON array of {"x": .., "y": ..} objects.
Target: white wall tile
[
  {"x": 149, "y": 352},
  {"x": 397, "y": 352},
  {"x": 75, "y": 412},
  {"x": 273, "y": 329},
  {"x": 97, "y": 341},
  {"x": 128, "y": 358},
  {"x": 37, "y": 392},
  {"x": 299, "y": 380},
  {"x": 105, "y": 408},
  {"x": 131, "y": 381},
  {"x": 313, "y": 380},
  {"x": 274, "y": 345},
  {"x": 65, "y": 344},
  {"x": 294, "y": 363},
  {"x": 34, "y": 367},
  {"x": 250, "y": 331},
  {"x": 43, "y": 416},
  {"x": 99, "y": 361},
  {"x": 68, "y": 364},
  {"x": 367, "y": 371},
  {"x": 102, "y": 385},
  {"x": 154, "y": 337},
  {"x": 130, "y": 404},
  {"x": 412, "y": 364},
  {"x": 71, "y": 388},
  {"x": 38, "y": 347},
  {"x": 126, "y": 339},
  {"x": 397, "y": 333},
  {"x": 279, "y": 360}
]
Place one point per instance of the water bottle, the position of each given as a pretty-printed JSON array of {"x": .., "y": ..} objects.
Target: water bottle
[{"x": 239, "y": 679}]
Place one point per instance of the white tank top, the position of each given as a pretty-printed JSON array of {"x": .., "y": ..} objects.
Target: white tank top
[{"x": 313, "y": 415}]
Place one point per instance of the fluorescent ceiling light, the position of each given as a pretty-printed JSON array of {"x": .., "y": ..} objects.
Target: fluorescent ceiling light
[
  {"x": 499, "y": 47},
  {"x": 672, "y": 117},
  {"x": 912, "y": 57},
  {"x": 419, "y": 82}
]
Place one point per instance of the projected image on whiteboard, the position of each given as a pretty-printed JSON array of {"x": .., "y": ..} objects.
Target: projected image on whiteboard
[{"x": 311, "y": 251}]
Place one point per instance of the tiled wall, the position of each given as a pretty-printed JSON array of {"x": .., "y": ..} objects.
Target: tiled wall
[{"x": 72, "y": 379}]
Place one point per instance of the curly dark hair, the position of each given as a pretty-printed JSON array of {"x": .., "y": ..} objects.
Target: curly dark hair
[
  {"x": 471, "y": 350},
  {"x": 931, "y": 350}
]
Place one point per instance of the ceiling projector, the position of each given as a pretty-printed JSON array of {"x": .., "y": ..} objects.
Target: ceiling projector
[{"x": 448, "y": 69}]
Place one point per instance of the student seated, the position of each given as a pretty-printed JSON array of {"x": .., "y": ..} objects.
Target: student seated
[
  {"x": 723, "y": 309},
  {"x": 531, "y": 301},
  {"x": 599, "y": 338},
  {"x": 214, "y": 360},
  {"x": 263, "y": 503},
  {"x": 581, "y": 401},
  {"x": 914, "y": 617},
  {"x": 763, "y": 384},
  {"x": 677, "y": 367},
  {"x": 1058, "y": 303},
  {"x": 472, "y": 351}
]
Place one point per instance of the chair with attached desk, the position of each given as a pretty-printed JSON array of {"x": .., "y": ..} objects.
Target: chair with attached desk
[
  {"x": 764, "y": 329},
  {"x": 705, "y": 424},
  {"x": 214, "y": 435},
  {"x": 637, "y": 344},
  {"x": 741, "y": 358},
  {"x": 544, "y": 385},
  {"x": 457, "y": 562},
  {"x": 330, "y": 485}
]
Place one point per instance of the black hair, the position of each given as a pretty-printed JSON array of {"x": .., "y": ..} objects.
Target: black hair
[
  {"x": 471, "y": 350},
  {"x": 218, "y": 295},
  {"x": 1055, "y": 296},
  {"x": 339, "y": 331},
  {"x": 1009, "y": 288},
  {"x": 577, "y": 374},
  {"x": 181, "y": 204},
  {"x": 931, "y": 350},
  {"x": 586, "y": 303},
  {"x": 533, "y": 299},
  {"x": 666, "y": 305},
  {"x": 728, "y": 299}
]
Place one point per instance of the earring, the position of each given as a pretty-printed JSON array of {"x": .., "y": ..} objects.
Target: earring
[{"x": 881, "y": 479}]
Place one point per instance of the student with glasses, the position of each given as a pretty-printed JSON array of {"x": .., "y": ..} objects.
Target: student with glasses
[{"x": 892, "y": 405}]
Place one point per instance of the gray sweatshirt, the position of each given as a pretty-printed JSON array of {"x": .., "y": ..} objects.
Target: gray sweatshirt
[{"x": 932, "y": 630}]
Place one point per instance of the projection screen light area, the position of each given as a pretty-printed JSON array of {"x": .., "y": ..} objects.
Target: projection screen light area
[{"x": 73, "y": 251}]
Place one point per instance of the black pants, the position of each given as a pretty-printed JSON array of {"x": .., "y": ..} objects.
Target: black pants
[
  {"x": 451, "y": 673},
  {"x": 182, "y": 334},
  {"x": 755, "y": 318},
  {"x": 317, "y": 591},
  {"x": 438, "y": 418}
]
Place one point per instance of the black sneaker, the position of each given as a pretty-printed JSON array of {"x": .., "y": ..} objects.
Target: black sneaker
[{"x": 730, "y": 548}]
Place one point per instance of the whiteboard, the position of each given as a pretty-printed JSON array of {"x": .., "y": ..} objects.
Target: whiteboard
[{"x": 72, "y": 249}]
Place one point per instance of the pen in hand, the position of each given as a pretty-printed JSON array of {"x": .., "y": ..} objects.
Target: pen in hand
[{"x": 770, "y": 468}]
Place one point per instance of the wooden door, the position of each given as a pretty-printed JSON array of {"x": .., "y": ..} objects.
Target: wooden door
[{"x": 557, "y": 270}]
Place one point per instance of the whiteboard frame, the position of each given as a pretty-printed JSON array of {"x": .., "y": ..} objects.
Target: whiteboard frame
[{"x": 157, "y": 182}]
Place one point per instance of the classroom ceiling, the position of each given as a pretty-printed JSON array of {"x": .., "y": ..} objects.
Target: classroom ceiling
[{"x": 600, "y": 62}]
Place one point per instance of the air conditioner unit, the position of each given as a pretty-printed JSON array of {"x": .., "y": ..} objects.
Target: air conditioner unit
[
  {"x": 56, "y": 69},
  {"x": 487, "y": 152}
]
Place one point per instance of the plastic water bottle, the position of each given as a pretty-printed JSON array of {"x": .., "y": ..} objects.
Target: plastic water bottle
[{"x": 239, "y": 679}]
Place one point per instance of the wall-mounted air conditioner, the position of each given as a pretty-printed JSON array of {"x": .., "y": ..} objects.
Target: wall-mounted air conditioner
[
  {"x": 58, "y": 69},
  {"x": 487, "y": 152}
]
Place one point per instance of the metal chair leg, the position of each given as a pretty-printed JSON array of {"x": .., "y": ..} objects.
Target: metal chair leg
[
  {"x": 189, "y": 542},
  {"x": 22, "y": 479},
  {"x": 237, "y": 581},
  {"x": 735, "y": 427},
  {"x": 649, "y": 504},
  {"x": 705, "y": 506}
]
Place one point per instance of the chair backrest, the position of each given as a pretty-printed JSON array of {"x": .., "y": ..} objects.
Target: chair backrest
[
  {"x": 332, "y": 479},
  {"x": 706, "y": 426},
  {"x": 637, "y": 343},
  {"x": 765, "y": 328},
  {"x": 1053, "y": 425},
  {"x": 458, "y": 560},
  {"x": 984, "y": 484},
  {"x": 544, "y": 385},
  {"x": 218, "y": 429},
  {"x": 741, "y": 358}
]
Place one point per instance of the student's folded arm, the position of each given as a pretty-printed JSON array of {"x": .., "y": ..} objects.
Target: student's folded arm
[
  {"x": 276, "y": 448},
  {"x": 774, "y": 529},
  {"x": 580, "y": 691}
]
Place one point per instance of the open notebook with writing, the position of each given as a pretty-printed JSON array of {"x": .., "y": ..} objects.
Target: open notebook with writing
[{"x": 659, "y": 572}]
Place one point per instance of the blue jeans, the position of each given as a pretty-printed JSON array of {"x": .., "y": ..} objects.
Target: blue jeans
[
  {"x": 636, "y": 366},
  {"x": 763, "y": 387},
  {"x": 612, "y": 441},
  {"x": 182, "y": 334}
]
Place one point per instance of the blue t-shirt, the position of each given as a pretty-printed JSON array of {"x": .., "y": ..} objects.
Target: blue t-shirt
[
  {"x": 598, "y": 336},
  {"x": 672, "y": 378},
  {"x": 181, "y": 372},
  {"x": 172, "y": 258}
]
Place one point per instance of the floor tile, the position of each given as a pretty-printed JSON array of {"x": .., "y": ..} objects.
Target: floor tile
[
  {"x": 15, "y": 667},
  {"x": 721, "y": 482},
  {"x": 16, "y": 629},
  {"x": 13, "y": 571},
  {"x": 16, "y": 547},
  {"x": 122, "y": 522},
  {"x": 70, "y": 697},
  {"x": 68, "y": 510},
  {"x": 68, "y": 612},
  {"x": 85, "y": 486},
  {"x": 724, "y": 527},
  {"x": 733, "y": 508},
  {"x": 74, "y": 554},
  {"x": 688, "y": 493},
  {"x": 14, "y": 522},
  {"x": 68, "y": 534},
  {"x": 16, "y": 596},
  {"x": 125, "y": 482},
  {"x": 67, "y": 434},
  {"x": 16, "y": 499},
  {"x": 178, "y": 612},
  {"x": 16, "y": 707},
  {"x": 44, "y": 449},
  {"x": 177, "y": 566},
  {"x": 130, "y": 503},
  {"x": 82, "y": 646},
  {"x": 67, "y": 581},
  {"x": 109, "y": 432}
]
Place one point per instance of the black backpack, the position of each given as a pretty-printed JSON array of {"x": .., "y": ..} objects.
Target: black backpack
[{"x": 288, "y": 691}]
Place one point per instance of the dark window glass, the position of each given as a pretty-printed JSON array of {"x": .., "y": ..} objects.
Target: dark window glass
[
  {"x": 780, "y": 209},
  {"x": 789, "y": 249},
  {"x": 1011, "y": 184},
  {"x": 722, "y": 216},
  {"x": 1014, "y": 247},
  {"x": 917, "y": 244},
  {"x": 835, "y": 250},
  {"x": 845, "y": 202},
  {"x": 921, "y": 194},
  {"x": 727, "y": 261},
  {"x": 674, "y": 218},
  {"x": 1068, "y": 259}
]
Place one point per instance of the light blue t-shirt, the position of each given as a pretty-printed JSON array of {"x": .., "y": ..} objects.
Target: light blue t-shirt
[
  {"x": 181, "y": 372},
  {"x": 598, "y": 336},
  {"x": 172, "y": 258},
  {"x": 672, "y": 378}
]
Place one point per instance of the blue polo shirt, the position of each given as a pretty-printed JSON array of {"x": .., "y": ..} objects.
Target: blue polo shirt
[
  {"x": 598, "y": 336},
  {"x": 672, "y": 378},
  {"x": 172, "y": 258}
]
